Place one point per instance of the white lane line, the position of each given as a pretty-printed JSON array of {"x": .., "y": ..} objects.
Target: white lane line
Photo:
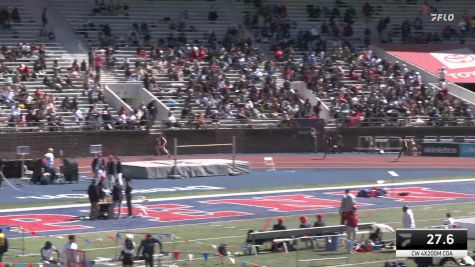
[
  {"x": 393, "y": 173},
  {"x": 247, "y": 194}
]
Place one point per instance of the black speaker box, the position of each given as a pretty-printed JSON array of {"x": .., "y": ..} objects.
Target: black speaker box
[
  {"x": 70, "y": 170},
  {"x": 12, "y": 168},
  {"x": 36, "y": 168}
]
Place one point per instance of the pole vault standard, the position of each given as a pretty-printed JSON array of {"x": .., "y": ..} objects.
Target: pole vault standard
[{"x": 233, "y": 145}]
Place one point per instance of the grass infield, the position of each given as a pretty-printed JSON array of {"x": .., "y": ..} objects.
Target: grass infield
[{"x": 201, "y": 238}]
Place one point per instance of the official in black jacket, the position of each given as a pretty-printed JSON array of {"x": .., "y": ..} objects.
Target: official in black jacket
[
  {"x": 94, "y": 198},
  {"x": 117, "y": 197}
]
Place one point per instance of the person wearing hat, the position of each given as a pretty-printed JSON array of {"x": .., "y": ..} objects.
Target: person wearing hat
[
  {"x": 127, "y": 252},
  {"x": 319, "y": 222},
  {"x": 3, "y": 244},
  {"x": 304, "y": 222},
  {"x": 280, "y": 225},
  {"x": 147, "y": 247},
  {"x": 98, "y": 165}
]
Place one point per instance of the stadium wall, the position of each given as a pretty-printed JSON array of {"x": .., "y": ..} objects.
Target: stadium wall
[{"x": 76, "y": 144}]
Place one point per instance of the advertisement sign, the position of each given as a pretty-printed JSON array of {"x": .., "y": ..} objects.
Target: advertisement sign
[
  {"x": 467, "y": 150},
  {"x": 440, "y": 149},
  {"x": 459, "y": 63}
]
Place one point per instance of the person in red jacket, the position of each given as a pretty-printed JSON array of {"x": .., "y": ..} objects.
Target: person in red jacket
[
  {"x": 279, "y": 54},
  {"x": 351, "y": 223}
]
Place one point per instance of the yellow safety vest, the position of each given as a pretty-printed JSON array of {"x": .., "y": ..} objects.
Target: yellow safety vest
[{"x": 2, "y": 239}]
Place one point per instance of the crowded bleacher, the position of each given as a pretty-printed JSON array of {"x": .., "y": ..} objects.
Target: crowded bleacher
[{"x": 211, "y": 72}]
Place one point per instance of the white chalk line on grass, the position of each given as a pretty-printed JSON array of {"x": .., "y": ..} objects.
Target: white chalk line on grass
[{"x": 247, "y": 194}]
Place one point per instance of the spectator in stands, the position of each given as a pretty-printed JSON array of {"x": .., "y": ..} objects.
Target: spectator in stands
[
  {"x": 347, "y": 203},
  {"x": 408, "y": 218},
  {"x": 47, "y": 252},
  {"x": 367, "y": 10},
  {"x": 66, "y": 104},
  {"x": 213, "y": 14},
  {"x": 15, "y": 15},
  {"x": 78, "y": 116},
  {"x": 442, "y": 74},
  {"x": 171, "y": 121},
  {"x": 44, "y": 17},
  {"x": 319, "y": 222}
]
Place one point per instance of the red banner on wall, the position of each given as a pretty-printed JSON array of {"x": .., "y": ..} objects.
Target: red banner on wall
[{"x": 459, "y": 63}]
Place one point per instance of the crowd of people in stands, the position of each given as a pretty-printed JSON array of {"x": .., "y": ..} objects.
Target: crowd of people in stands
[
  {"x": 363, "y": 89},
  {"x": 226, "y": 77},
  {"x": 7, "y": 17},
  {"x": 367, "y": 90},
  {"x": 35, "y": 106}
]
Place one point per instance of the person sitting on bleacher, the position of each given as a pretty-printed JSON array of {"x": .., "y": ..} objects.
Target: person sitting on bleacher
[
  {"x": 280, "y": 225},
  {"x": 319, "y": 222},
  {"x": 450, "y": 221},
  {"x": 304, "y": 222}
]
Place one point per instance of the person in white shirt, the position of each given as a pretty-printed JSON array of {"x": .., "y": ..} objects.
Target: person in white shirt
[
  {"x": 347, "y": 203},
  {"x": 408, "y": 218},
  {"x": 47, "y": 252},
  {"x": 449, "y": 221},
  {"x": 70, "y": 245},
  {"x": 49, "y": 157},
  {"x": 171, "y": 121}
]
